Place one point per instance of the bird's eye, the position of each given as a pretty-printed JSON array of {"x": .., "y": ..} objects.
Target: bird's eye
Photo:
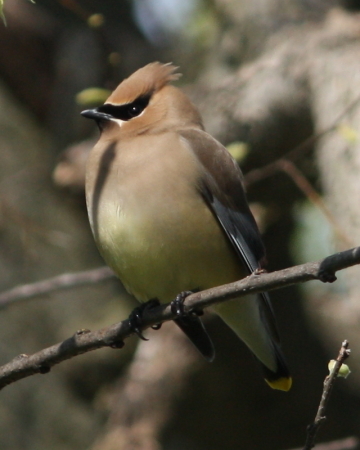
[
  {"x": 127, "y": 111},
  {"x": 135, "y": 109}
]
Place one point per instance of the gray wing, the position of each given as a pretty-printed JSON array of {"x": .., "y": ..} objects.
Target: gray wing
[{"x": 222, "y": 188}]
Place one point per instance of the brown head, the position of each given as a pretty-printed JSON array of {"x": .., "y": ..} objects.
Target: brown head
[{"x": 146, "y": 103}]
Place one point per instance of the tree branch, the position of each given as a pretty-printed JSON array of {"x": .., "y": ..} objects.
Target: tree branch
[
  {"x": 64, "y": 281},
  {"x": 84, "y": 340},
  {"x": 329, "y": 382}
]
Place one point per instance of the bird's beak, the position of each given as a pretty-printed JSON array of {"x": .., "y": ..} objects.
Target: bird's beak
[{"x": 95, "y": 114}]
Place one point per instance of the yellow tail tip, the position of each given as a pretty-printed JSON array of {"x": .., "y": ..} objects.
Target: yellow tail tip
[{"x": 282, "y": 384}]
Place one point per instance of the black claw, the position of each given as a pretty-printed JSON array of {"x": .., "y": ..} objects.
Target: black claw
[
  {"x": 177, "y": 305},
  {"x": 135, "y": 318},
  {"x": 327, "y": 276},
  {"x": 117, "y": 344},
  {"x": 140, "y": 335},
  {"x": 135, "y": 321},
  {"x": 44, "y": 369}
]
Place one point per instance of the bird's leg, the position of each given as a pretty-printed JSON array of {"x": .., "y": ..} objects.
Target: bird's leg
[{"x": 135, "y": 318}]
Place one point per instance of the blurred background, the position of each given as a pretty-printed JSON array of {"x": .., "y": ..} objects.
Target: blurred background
[{"x": 278, "y": 82}]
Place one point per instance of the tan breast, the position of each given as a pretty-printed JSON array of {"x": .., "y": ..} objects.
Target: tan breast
[{"x": 151, "y": 224}]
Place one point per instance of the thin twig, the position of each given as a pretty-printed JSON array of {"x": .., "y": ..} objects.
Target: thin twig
[
  {"x": 64, "y": 281},
  {"x": 84, "y": 340},
  {"x": 329, "y": 382}
]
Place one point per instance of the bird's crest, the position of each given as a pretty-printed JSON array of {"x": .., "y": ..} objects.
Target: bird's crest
[{"x": 144, "y": 81}]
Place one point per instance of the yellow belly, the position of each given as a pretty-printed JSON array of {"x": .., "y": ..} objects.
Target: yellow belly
[{"x": 159, "y": 253}]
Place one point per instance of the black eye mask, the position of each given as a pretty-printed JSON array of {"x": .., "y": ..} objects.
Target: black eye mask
[{"x": 127, "y": 111}]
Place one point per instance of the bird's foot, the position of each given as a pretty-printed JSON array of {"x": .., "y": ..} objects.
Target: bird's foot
[
  {"x": 177, "y": 305},
  {"x": 135, "y": 318}
]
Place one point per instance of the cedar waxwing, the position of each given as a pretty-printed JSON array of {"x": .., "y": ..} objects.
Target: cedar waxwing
[{"x": 168, "y": 211}]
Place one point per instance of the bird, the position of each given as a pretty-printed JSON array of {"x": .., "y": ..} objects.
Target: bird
[{"x": 169, "y": 214}]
